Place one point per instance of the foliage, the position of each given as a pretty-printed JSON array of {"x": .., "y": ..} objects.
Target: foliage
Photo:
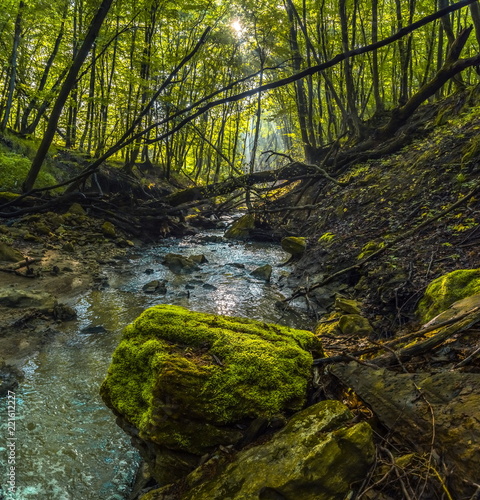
[{"x": 13, "y": 170}]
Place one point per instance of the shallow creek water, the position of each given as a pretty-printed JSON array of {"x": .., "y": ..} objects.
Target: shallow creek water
[{"x": 67, "y": 445}]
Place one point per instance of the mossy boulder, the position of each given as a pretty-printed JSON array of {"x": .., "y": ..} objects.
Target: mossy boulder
[
  {"x": 108, "y": 230},
  {"x": 9, "y": 254},
  {"x": 241, "y": 228},
  {"x": 182, "y": 381},
  {"x": 317, "y": 456},
  {"x": 447, "y": 289},
  {"x": 354, "y": 324},
  {"x": 76, "y": 209},
  {"x": 294, "y": 245}
]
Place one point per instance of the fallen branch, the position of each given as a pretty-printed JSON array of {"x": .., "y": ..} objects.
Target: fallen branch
[
  {"x": 18, "y": 265},
  {"x": 444, "y": 334}
]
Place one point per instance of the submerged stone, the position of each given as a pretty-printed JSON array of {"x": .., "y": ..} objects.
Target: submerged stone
[
  {"x": 179, "y": 264},
  {"x": 447, "y": 289},
  {"x": 182, "y": 381}
]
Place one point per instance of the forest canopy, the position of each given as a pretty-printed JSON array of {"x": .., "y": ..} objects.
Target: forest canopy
[{"x": 122, "y": 76}]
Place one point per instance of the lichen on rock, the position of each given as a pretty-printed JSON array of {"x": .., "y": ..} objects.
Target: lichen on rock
[
  {"x": 183, "y": 379},
  {"x": 447, "y": 289}
]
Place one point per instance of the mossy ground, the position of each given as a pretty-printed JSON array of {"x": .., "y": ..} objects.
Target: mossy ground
[
  {"x": 387, "y": 197},
  {"x": 216, "y": 368}
]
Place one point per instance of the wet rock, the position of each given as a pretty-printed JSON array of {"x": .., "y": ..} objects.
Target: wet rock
[
  {"x": 241, "y": 228},
  {"x": 93, "y": 329},
  {"x": 317, "y": 456},
  {"x": 238, "y": 265},
  {"x": 199, "y": 259},
  {"x": 445, "y": 290},
  {"x": 404, "y": 403},
  {"x": 179, "y": 264},
  {"x": 207, "y": 286},
  {"x": 149, "y": 271},
  {"x": 183, "y": 383},
  {"x": 155, "y": 286},
  {"x": 263, "y": 272},
  {"x": 354, "y": 324},
  {"x": 64, "y": 312},
  {"x": 10, "y": 377},
  {"x": 22, "y": 298},
  {"x": 9, "y": 254},
  {"x": 294, "y": 245}
]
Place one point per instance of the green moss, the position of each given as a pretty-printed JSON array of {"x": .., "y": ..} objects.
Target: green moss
[
  {"x": 326, "y": 238},
  {"x": 241, "y": 228},
  {"x": 14, "y": 169},
  {"x": 369, "y": 248},
  {"x": 182, "y": 364},
  {"x": 447, "y": 289}
]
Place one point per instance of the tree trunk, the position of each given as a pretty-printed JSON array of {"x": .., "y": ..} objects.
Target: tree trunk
[
  {"x": 13, "y": 65},
  {"x": 67, "y": 86}
]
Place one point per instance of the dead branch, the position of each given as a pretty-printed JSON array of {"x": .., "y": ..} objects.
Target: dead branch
[{"x": 443, "y": 334}]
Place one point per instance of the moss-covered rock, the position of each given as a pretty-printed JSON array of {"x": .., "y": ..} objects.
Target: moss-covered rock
[
  {"x": 348, "y": 306},
  {"x": 241, "y": 228},
  {"x": 445, "y": 290},
  {"x": 9, "y": 254},
  {"x": 76, "y": 209},
  {"x": 354, "y": 324},
  {"x": 317, "y": 456},
  {"x": 294, "y": 245},
  {"x": 183, "y": 380},
  {"x": 108, "y": 230}
]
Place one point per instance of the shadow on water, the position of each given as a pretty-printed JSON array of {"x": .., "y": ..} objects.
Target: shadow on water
[{"x": 67, "y": 443}]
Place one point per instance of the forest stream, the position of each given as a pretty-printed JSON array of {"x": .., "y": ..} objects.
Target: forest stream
[{"x": 68, "y": 445}]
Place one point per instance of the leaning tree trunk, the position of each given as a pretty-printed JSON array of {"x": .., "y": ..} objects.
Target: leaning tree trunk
[{"x": 67, "y": 86}]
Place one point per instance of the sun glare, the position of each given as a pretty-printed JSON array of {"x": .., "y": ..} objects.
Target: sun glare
[{"x": 237, "y": 26}]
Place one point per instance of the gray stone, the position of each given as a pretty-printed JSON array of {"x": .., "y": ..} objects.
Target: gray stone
[{"x": 263, "y": 272}]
